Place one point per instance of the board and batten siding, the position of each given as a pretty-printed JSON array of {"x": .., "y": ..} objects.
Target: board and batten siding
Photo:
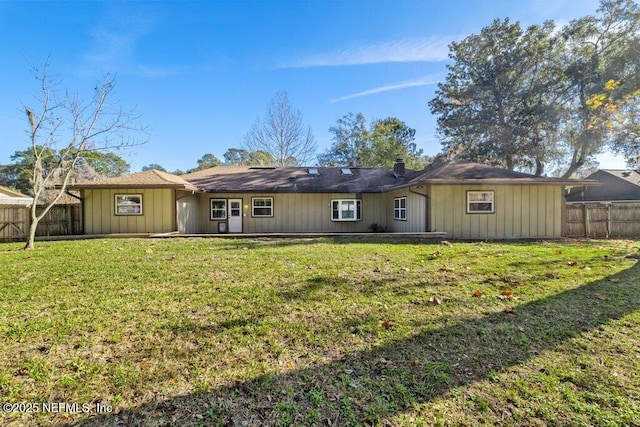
[
  {"x": 158, "y": 211},
  {"x": 187, "y": 212},
  {"x": 416, "y": 211},
  {"x": 298, "y": 213},
  {"x": 521, "y": 211}
]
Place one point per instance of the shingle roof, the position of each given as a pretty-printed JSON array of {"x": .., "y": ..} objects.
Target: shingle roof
[
  {"x": 295, "y": 179},
  {"x": 458, "y": 172},
  {"x": 229, "y": 179},
  {"x": 148, "y": 179},
  {"x": 615, "y": 185}
]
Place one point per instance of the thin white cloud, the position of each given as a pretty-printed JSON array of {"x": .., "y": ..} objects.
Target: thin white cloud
[
  {"x": 430, "y": 49},
  {"x": 423, "y": 81},
  {"x": 114, "y": 44}
]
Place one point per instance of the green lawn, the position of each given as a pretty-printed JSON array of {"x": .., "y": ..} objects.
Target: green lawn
[{"x": 320, "y": 332}]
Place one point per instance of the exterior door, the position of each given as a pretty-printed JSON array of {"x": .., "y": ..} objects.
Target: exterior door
[{"x": 235, "y": 216}]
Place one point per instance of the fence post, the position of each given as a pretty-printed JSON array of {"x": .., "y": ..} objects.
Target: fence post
[{"x": 587, "y": 228}]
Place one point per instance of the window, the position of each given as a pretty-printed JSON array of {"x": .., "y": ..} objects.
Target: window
[
  {"x": 218, "y": 209},
  {"x": 128, "y": 204},
  {"x": 400, "y": 208},
  {"x": 262, "y": 206},
  {"x": 480, "y": 202},
  {"x": 346, "y": 210}
]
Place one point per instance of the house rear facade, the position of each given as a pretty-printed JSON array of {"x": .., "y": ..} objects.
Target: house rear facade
[{"x": 464, "y": 200}]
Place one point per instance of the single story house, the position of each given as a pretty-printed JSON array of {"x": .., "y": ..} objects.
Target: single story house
[
  {"x": 9, "y": 197},
  {"x": 14, "y": 213},
  {"x": 464, "y": 200},
  {"x": 615, "y": 185},
  {"x": 609, "y": 209}
]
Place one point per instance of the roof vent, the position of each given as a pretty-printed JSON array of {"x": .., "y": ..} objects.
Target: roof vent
[
  {"x": 346, "y": 171},
  {"x": 262, "y": 167},
  {"x": 313, "y": 171}
]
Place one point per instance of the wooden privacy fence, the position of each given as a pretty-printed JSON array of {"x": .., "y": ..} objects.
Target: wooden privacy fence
[
  {"x": 602, "y": 219},
  {"x": 13, "y": 222},
  {"x": 61, "y": 220}
]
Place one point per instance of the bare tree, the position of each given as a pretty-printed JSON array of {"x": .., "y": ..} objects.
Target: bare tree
[
  {"x": 71, "y": 129},
  {"x": 281, "y": 134}
]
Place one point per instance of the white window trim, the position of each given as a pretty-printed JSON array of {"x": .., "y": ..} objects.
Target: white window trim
[
  {"x": 122, "y": 197},
  {"x": 254, "y": 207},
  {"x": 475, "y": 211},
  {"x": 397, "y": 211},
  {"x": 224, "y": 210},
  {"x": 358, "y": 209}
]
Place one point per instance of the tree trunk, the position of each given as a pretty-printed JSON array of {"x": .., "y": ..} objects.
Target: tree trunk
[
  {"x": 539, "y": 167},
  {"x": 33, "y": 225}
]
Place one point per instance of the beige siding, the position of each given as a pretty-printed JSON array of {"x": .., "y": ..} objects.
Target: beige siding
[
  {"x": 306, "y": 212},
  {"x": 187, "y": 212},
  {"x": 416, "y": 211},
  {"x": 521, "y": 211},
  {"x": 158, "y": 212}
]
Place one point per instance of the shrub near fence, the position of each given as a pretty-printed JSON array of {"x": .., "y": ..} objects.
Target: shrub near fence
[
  {"x": 602, "y": 220},
  {"x": 61, "y": 220}
]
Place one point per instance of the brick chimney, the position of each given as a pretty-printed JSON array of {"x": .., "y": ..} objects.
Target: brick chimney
[{"x": 398, "y": 168}]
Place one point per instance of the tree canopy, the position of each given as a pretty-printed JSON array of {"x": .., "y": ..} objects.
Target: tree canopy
[
  {"x": 91, "y": 166},
  {"x": 382, "y": 142},
  {"x": 518, "y": 97}
]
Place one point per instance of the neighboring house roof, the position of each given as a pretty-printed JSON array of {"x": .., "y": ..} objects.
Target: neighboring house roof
[
  {"x": 615, "y": 185},
  {"x": 12, "y": 197},
  {"x": 296, "y": 179},
  {"x": 148, "y": 179}
]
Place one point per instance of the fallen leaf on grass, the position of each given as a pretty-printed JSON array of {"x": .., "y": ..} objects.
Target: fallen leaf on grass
[
  {"x": 614, "y": 280},
  {"x": 435, "y": 300},
  {"x": 516, "y": 283},
  {"x": 477, "y": 293},
  {"x": 386, "y": 324},
  {"x": 601, "y": 297},
  {"x": 550, "y": 275},
  {"x": 446, "y": 243},
  {"x": 506, "y": 294},
  {"x": 558, "y": 252},
  {"x": 572, "y": 263}
]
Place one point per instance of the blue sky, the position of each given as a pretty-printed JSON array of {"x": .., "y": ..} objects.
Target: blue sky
[{"x": 200, "y": 72}]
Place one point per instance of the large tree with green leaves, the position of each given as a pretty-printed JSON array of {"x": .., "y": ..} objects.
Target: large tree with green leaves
[
  {"x": 242, "y": 157},
  {"x": 519, "y": 98},
  {"x": 91, "y": 166},
  {"x": 382, "y": 142},
  {"x": 499, "y": 101},
  {"x": 599, "y": 48}
]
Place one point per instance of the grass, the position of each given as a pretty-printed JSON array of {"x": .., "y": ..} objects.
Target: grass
[{"x": 321, "y": 332}]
